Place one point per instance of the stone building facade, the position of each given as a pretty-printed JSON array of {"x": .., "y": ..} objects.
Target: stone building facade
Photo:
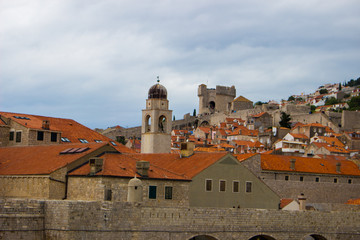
[
  {"x": 318, "y": 183},
  {"x": 212, "y": 100}
]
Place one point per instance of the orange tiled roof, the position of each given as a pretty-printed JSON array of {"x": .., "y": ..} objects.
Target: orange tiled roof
[
  {"x": 243, "y": 156},
  {"x": 332, "y": 141},
  {"x": 241, "y": 130},
  {"x": 43, "y": 159},
  {"x": 209, "y": 149},
  {"x": 353, "y": 201},
  {"x": 309, "y": 165},
  {"x": 259, "y": 114},
  {"x": 226, "y": 145},
  {"x": 331, "y": 157},
  {"x": 248, "y": 143},
  {"x": 241, "y": 99},
  {"x": 314, "y": 125},
  {"x": 334, "y": 149},
  {"x": 162, "y": 165},
  {"x": 204, "y": 129},
  {"x": 299, "y": 135},
  {"x": 285, "y": 201},
  {"x": 69, "y": 128}
]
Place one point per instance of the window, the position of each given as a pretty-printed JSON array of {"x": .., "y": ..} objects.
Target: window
[
  {"x": 168, "y": 192},
  {"x": 18, "y": 136},
  {"x": 152, "y": 192},
  {"x": 40, "y": 135},
  {"x": 248, "y": 187},
  {"x": 349, "y": 181},
  {"x": 335, "y": 180},
  {"x": 208, "y": 185},
  {"x": 54, "y": 137},
  {"x": 83, "y": 140},
  {"x": 236, "y": 186},
  {"x": 301, "y": 179},
  {"x": 286, "y": 178},
  {"x": 108, "y": 195},
  {"x": 11, "y": 136},
  {"x": 64, "y": 139},
  {"x": 317, "y": 179},
  {"x": 222, "y": 185}
]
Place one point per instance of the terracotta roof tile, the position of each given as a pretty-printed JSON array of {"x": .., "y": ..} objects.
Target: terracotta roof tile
[
  {"x": 164, "y": 165},
  {"x": 285, "y": 201},
  {"x": 298, "y": 135},
  {"x": 42, "y": 159},
  {"x": 69, "y": 128},
  {"x": 244, "y": 156},
  {"x": 353, "y": 201},
  {"x": 333, "y": 149},
  {"x": 241, "y": 99},
  {"x": 259, "y": 115},
  {"x": 309, "y": 165}
]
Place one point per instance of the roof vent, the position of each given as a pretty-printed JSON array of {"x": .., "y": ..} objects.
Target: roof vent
[
  {"x": 46, "y": 124},
  {"x": 96, "y": 165},
  {"x": 338, "y": 167},
  {"x": 292, "y": 164},
  {"x": 187, "y": 149},
  {"x": 142, "y": 168}
]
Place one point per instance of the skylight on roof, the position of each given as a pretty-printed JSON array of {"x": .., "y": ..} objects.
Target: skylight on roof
[
  {"x": 64, "y": 139},
  {"x": 24, "y": 118},
  {"x": 113, "y": 143},
  {"x": 83, "y": 140},
  {"x": 98, "y": 141},
  {"x": 74, "y": 150}
]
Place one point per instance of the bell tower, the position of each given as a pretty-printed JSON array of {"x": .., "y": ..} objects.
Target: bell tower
[{"x": 156, "y": 122}]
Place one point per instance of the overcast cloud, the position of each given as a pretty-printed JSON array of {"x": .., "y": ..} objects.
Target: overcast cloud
[{"x": 94, "y": 60}]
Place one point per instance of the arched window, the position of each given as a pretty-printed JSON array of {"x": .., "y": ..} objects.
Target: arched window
[
  {"x": 162, "y": 123},
  {"x": 147, "y": 123}
]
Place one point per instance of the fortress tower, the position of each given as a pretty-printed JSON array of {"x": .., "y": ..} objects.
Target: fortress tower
[
  {"x": 213, "y": 100},
  {"x": 156, "y": 122}
]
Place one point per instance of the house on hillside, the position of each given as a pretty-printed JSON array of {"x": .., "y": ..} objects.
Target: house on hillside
[
  {"x": 261, "y": 120},
  {"x": 241, "y": 103},
  {"x": 194, "y": 179},
  {"x": 324, "y": 148},
  {"x": 310, "y": 130}
]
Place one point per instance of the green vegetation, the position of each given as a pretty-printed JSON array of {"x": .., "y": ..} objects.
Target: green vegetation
[
  {"x": 323, "y": 91},
  {"x": 121, "y": 139},
  {"x": 285, "y": 120},
  {"x": 291, "y": 98},
  {"x": 354, "y": 103},
  {"x": 331, "y": 101},
  {"x": 352, "y": 83},
  {"x": 259, "y": 103},
  {"x": 194, "y": 113}
]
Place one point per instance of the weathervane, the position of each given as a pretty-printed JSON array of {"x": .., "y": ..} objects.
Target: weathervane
[{"x": 158, "y": 80}]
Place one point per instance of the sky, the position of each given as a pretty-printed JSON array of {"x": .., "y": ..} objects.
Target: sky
[{"x": 94, "y": 60}]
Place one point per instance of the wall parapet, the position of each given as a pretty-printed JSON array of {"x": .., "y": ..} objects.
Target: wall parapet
[{"x": 58, "y": 219}]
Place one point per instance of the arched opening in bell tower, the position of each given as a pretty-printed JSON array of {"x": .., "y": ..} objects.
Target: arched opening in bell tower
[
  {"x": 162, "y": 124},
  {"x": 212, "y": 106},
  {"x": 147, "y": 123}
]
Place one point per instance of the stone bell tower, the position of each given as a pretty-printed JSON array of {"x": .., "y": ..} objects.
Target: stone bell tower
[{"x": 156, "y": 122}]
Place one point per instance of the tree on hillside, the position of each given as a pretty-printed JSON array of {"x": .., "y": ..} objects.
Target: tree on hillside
[
  {"x": 331, "y": 101},
  {"x": 352, "y": 83},
  {"x": 323, "y": 91},
  {"x": 291, "y": 98},
  {"x": 354, "y": 103},
  {"x": 339, "y": 86},
  {"x": 194, "y": 113},
  {"x": 285, "y": 120}
]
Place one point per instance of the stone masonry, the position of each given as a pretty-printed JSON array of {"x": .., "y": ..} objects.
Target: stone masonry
[{"x": 55, "y": 219}]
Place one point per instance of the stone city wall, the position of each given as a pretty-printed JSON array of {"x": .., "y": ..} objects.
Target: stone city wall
[{"x": 30, "y": 219}]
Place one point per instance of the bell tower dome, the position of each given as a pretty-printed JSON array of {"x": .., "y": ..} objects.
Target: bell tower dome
[{"x": 156, "y": 121}]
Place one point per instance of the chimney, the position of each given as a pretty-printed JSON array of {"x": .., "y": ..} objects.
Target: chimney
[
  {"x": 142, "y": 168},
  {"x": 187, "y": 149},
  {"x": 302, "y": 202},
  {"x": 96, "y": 165},
  {"x": 292, "y": 164},
  {"x": 338, "y": 167},
  {"x": 46, "y": 124}
]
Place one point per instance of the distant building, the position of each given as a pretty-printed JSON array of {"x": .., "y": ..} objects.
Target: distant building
[
  {"x": 217, "y": 99},
  {"x": 241, "y": 103}
]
